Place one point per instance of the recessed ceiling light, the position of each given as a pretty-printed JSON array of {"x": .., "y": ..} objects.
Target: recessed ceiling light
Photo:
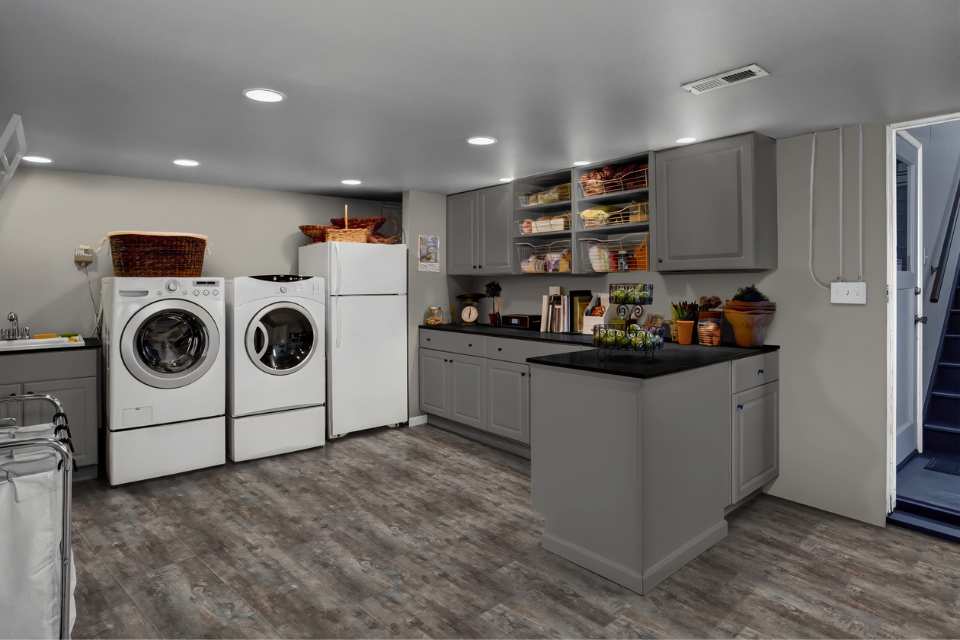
[
  {"x": 261, "y": 94},
  {"x": 186, "y": 162},
  {"x": 481, "y": 140},
  {"x": 506, "y": 179},
  {"x": 686, "y": 140},
  {"x": 37, "y": 159},
  {"x": 351, "y": 181},
  {"x": 581, "y": 163}
]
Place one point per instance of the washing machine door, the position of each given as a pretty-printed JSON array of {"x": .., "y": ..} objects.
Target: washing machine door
[
  {"x": 281, "y": 338},
  {"x": 170, "y": 343}
]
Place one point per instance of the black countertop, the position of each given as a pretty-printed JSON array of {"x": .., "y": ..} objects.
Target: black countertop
[
  {"x": 88, "y": 343},
  {"x": 517, "y": 334},
  {"x": 673, "y": 358}
]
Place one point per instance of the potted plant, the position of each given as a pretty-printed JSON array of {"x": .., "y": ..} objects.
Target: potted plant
[
  {"x": 685, "y": 316},
  {"x": 493, "y": 291},
  {"x": 749, "y": 313}
]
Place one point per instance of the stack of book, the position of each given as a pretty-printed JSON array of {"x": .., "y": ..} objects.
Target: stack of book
[{"x": 562, "y": 312}]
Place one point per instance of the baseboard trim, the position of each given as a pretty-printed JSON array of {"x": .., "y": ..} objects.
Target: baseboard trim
[
  {"x": 516, "y": 448},
  {"x": 416, "y": 421},
  {"x": 683, "y": 554},
  {"x": 619, "y": 573}
]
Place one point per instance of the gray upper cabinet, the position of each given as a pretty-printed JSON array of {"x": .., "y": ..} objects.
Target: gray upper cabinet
[
  {"x": 508, "y": 400},
  {"x": 478, "y": 231},
  {"x": 756, "y": 445},
  {"x": 495, "y": 232},
  {"x": 716, "y": 205}
]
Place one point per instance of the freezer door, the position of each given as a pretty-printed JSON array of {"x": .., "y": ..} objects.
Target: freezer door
[
  {"x": 367, "y": 269},
  {"x": 367, "y": 354}
]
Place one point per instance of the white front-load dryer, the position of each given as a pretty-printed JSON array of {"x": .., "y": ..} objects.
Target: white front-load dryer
[
  {"x": 164, "y": 346},
  {"x": 275, "y": 366}
]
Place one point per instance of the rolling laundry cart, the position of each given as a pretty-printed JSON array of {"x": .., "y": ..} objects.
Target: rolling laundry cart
[{"x": 37, "y": 576}]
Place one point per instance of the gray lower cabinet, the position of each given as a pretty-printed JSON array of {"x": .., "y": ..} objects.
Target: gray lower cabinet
[
  {"x": 479, "y": 234},
  {"x": 11, "y": 409},
  {"x": 716, "y": 205},
  {"x": 508, "y": 400},
  {"x": 434, "y": 388},
  {"x": 79, "y": 399},
  {"x": 468, "y": 390},
  {"x": 756, "y": 446}
]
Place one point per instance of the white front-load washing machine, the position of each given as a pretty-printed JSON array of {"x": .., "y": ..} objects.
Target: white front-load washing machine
[
  {"x": 275, "y": 366},
  {"x": 166, "y": 375}
]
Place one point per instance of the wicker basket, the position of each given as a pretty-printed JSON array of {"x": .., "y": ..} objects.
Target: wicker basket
[
  {"x": 347, "y": 234},
  {"x": 145, "y": 254}
]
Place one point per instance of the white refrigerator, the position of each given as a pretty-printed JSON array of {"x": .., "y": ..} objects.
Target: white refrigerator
[{"x": 366, "y": 332}]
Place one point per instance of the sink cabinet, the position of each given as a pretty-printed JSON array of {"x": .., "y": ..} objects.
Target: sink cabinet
[
  {"x": 716, "y": 205},
  {"x": 478, "y": 231}
]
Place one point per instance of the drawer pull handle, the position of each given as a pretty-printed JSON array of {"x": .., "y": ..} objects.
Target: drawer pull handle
[
  {"x": 499, "y": 348},
  {"x": 739, "y": 407},
  {"x": 759, "y": 372},
  {"x": 523, "y": 375},
  {"x": 469, "y": 344}
]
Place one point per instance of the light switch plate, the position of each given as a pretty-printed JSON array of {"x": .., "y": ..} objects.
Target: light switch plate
[{"x": 848, "y": 292}]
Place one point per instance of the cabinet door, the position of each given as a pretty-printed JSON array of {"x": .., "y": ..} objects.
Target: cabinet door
[
  {"x": 704, "y": 206},
  {"x": 434, "y": 385},
  {"x": 508, "y": 400},
  {"x": 468, "y": 390},
  {"x": 495, "y": 234},
  {"x": 756, "y": 439},
  {"x": 11, "y": 409},
  {"x": 462, "y": 234},
  {"x": 79, "y": 399}
]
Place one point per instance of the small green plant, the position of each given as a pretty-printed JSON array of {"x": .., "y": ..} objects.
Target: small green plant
[
  {"x": 750, "y": 294},
  {"x": 685, "y": 310}
]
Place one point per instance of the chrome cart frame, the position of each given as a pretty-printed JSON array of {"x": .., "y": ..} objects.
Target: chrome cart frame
[{"x": 59, "y": 444}]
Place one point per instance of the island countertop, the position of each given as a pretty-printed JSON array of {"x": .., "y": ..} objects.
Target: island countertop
[{"x": 673, "y": 358}]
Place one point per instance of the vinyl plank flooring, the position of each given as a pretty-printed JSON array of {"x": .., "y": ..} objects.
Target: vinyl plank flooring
[{"x": 410, "y": 533}]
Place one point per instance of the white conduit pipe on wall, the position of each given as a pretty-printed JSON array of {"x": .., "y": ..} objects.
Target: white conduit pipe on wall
[
  {"x": 860, "y": 200},
  {"x": 813, "y": 169},
  {"x": 840, "y": 197}
]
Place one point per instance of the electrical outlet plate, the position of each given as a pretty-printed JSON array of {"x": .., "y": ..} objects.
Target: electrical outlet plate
[
  {"x": 848, "y": 292},
  {"x": 83, "y": 256}
]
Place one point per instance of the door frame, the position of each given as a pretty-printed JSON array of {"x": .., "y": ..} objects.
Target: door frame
[{"x": 894, "y": 130}]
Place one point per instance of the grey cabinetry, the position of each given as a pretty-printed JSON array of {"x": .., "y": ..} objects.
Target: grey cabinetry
[
  {"x": 461, "y": 234},
  {"x": 11, "y": 409},
  {"x": 716, "y": 205},
  {"x": 434, "y": 391},
  {"x": 468, "y": 390},
  {"x": 79, "y": 399},
  {"x": 508, "y": 400},
  {"x": 478, "y": 231},
  {"x": 756, "y": 447}
]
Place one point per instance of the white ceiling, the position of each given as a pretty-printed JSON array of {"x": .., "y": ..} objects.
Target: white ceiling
[{"x": 387, "y": 90}]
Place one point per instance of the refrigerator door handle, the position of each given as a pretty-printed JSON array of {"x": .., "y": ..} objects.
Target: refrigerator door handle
[
  {"x": 339, "y": 322},
  {"x": 336, "y": 250}
]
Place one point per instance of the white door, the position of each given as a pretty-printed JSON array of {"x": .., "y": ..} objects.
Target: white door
[
  {"x": 909, "y": 259},
  {"x": 368, "y": 269},
  {"x": 367, "y": 354}
]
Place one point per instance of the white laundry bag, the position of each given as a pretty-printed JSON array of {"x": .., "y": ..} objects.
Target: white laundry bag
[{"x": 31, "y": 494}]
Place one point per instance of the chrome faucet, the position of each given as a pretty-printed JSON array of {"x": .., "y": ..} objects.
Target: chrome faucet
[{"x": 15, "y": 332}]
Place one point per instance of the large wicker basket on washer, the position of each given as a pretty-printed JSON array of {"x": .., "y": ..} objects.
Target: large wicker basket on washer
[{"x": 157, "y": 253}]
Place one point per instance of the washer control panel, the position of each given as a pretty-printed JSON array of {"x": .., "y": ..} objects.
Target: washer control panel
[{"x": 192, "y": 288}]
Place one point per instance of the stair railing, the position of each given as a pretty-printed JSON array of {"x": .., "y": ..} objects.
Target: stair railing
[{"x": 940, "y": 268}]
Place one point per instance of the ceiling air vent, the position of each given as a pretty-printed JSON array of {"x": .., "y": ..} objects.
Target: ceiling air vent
[{"x": 725, "y": 79}]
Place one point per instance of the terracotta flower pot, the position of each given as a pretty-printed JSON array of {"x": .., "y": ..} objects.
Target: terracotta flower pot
[
  {"x": 749, "y": 329},
  {"x": 685, "y": 331}
]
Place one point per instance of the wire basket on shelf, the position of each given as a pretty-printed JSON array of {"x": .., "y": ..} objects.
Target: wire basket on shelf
[
  {"x": 613, "y": 179},
  {"x": 544, "y": 224},
  {"x": 631, "y": 338},
  {"x": 551, "y": 195},
  {"x": 627, "y": 253},
  {"x": 599, "y": 216},
  {"x": 546, "y": 257}
]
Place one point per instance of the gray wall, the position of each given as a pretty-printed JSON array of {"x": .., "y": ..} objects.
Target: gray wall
[
  {"x": 45, "y": 214},
  {"x": 424, "y": 213},
  {"x": 832, "y": 364},
  {"x": 941, "y": 168}
]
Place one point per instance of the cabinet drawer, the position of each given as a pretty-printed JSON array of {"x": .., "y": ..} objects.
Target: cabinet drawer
[
  {"x": 518, "y": 351},
  {"x": 755, "y": 371},
  {"x": 48, "y": 365},
  {"x": 453, "y": 342}
]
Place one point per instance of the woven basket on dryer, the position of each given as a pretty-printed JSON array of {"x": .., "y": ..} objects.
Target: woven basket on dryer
[{"x": 145, "y": 254}]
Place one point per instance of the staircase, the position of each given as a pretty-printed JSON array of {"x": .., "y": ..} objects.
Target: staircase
[{"x": 941, "y": 426}]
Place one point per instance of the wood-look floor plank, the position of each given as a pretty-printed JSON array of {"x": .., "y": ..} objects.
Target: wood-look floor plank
[{"x": 419, "y": 533}]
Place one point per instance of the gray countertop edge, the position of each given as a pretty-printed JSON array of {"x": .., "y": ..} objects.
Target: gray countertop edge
[{"x": 88, "y": 343}]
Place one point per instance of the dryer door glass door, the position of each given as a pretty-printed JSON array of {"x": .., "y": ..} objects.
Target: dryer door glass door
[
  {"x": 170, "y": 344},
  {"x": 281, "y": 338}
]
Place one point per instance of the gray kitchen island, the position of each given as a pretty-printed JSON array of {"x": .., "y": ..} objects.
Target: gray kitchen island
[{"x": 635, "y": 463}]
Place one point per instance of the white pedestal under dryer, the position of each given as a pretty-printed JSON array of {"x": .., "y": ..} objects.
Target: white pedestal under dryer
[{"x": 276, "y": 365}]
